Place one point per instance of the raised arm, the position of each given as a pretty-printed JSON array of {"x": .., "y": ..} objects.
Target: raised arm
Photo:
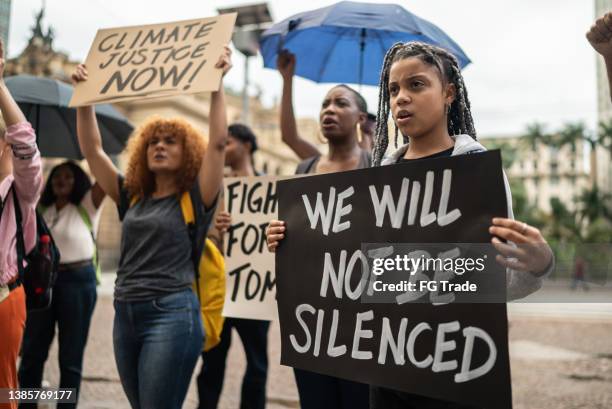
[
  {"x": 211, "y": 172},
  {"x": 90, "y": 141},
  {"x": 600, "y": 37},
  {"x": 10, "y": 110},
  {"x": 289, "y": 133},
  {"x": 26, "y": 162}
]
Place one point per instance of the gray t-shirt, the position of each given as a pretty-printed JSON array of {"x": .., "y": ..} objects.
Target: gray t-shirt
[{"x": 156, "y": 250}]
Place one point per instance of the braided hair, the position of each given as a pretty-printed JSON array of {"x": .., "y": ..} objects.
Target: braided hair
[{"x": 459, "y": 116}]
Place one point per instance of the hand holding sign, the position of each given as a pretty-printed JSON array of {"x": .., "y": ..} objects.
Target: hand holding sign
[
  {"x": 80, "y": 74},
  {"x": 225, "y": 60},
  {"x": 274, "y": 234},
  {"x": 533, "y": 254},
  {"x": 223, "y": 221}
]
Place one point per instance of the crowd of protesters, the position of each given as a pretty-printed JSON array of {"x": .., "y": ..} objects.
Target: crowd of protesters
[{"x": 157, "y": 329}]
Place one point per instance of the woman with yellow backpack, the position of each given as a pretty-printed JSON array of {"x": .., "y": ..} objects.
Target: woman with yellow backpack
[{"x": 157, "y": 331}]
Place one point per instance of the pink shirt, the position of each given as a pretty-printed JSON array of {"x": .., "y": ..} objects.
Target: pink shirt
[{"x": 27, "y": 177}]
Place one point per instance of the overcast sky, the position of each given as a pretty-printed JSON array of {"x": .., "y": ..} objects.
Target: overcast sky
[{"x": 530, "y": 59}]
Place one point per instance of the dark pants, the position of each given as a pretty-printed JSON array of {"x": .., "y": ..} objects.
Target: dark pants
[
  {"x": 383, "y": 398},
  {"x": 157, "y": 344},
  {"x": 73, "y": 302},
  {"x": 327, "y": 392},
  {"x": 254, "y": 336}
]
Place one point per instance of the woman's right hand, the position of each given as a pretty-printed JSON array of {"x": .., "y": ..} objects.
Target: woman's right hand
[
  {"x": 223, "y": 221},
  {"x": 275, "y": 232},
  {"x": 285, "y": 63},
  {"x": 80, "y": 74},
  {"x": 225, "y": 60}
]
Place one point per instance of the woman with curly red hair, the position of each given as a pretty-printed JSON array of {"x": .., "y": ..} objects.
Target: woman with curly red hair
[{"x": 157, "y": 331}]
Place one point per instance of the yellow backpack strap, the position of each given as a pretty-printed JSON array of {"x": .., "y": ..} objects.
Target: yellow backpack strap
[
  {"x": 187, "y": 208},
  {"x": 189, "y": 218}
]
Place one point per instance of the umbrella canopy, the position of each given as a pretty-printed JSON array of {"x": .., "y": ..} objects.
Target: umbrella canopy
[
  {"x": 44, "y": 102},
  {"x": 346, "y": 42}
]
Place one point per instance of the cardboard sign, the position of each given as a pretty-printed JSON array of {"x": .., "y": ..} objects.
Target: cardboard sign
[
  {"x": 451, "y": 351},
  {"x": 154, "y": 60},
  {"x": 250, "y": 279}
]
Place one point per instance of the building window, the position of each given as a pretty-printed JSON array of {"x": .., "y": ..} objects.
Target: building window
[
  {"x": 554, "y": 152},
  {"x": 554, "y": 167}
]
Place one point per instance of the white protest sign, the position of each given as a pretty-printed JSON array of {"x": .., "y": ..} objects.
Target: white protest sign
[{"x": 249, "y": 266}]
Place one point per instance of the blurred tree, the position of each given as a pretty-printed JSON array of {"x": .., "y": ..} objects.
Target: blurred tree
[
  {"x": 535, "y": 134},
  {"x": 605, "y": 134},
  {"x": 592, "y": 205},
  {"x": 561, "y": 223},
  {"x": 523, "y": 209},
  {"x": 509, "y": 152}
]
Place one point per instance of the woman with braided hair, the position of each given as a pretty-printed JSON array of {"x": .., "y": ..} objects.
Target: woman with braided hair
[
  {"x": 442, "y": 114},
  {"x": 423, "y": 89}
]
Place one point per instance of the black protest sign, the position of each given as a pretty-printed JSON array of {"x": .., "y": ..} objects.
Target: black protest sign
[
  {"x": 450, "y": 351},
  {"x": 250, "y": 279},
  {"x": 154, "y": 60}
]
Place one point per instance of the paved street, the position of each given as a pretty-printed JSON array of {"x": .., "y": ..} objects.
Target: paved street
[{"x": 561, "y": 358}]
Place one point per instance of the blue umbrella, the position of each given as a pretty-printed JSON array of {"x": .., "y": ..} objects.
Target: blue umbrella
[
  {"x": 346, "y": 42},
  {"x": 44, "y": 102}
]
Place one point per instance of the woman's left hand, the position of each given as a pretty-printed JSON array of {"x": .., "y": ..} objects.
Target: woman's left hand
[
  {"x": 532, "y": 253},
  {"x": 225, "y": 60}
]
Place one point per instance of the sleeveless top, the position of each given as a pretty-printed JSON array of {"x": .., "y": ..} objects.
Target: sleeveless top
[{"x": 309, "y": 165}]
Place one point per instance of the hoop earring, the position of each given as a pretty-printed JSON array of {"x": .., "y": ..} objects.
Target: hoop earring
[
  {"x": 320, "y": 137},
  {"x": 359, "y": 133}
]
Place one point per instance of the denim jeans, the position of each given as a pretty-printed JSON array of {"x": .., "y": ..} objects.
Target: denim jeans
[
  {"x": 384, "y": 398},
  {"x": 254, "y": 336},
  {"x": 72, "y": 305},
  {"x": 157, "y": 344},
  {"x": 319, "y": 391}
]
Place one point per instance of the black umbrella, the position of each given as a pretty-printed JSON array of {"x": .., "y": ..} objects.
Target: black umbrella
[{"x": 44, "y": 102}]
